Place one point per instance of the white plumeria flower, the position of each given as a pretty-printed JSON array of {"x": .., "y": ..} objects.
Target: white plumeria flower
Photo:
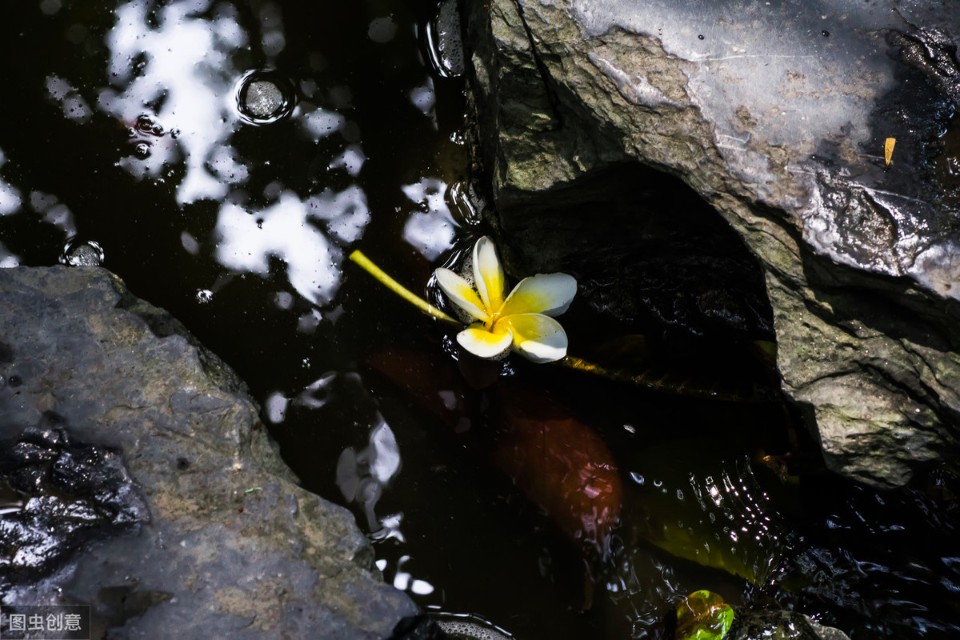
[{"x": 521, "y": 320}]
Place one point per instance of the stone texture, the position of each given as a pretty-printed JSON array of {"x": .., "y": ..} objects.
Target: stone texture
[
  {"x": 781, "y": 625},
  {"x": 217, "y": 539},
  {"x": 775, "y": 114}
]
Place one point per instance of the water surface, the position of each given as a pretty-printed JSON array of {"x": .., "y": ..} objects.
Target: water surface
[{"x": 123, "y": 141}]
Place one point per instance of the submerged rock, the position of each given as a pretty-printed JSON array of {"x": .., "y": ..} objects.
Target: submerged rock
[
  {"x": 142, "y": 483},
  {"x": 777, "y": 116}
]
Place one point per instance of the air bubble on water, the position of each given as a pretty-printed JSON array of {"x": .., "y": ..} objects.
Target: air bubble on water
[
  {"x": 148, "y": 125},
  {"x": 204, "y": 296},
  {"x": 462, "y": 626},
  {"x": 142, "y": 150},
  {"x": 82, "y": 254},
  {"x": 264, "y": 97}
]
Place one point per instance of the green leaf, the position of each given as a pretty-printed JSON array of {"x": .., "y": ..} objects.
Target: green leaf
[{"x": 703, "y": 615}]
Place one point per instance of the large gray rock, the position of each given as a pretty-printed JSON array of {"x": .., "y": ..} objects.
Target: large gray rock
[
  {"x": 776, "y": 114},
  {"x": 172, "y": 516}
]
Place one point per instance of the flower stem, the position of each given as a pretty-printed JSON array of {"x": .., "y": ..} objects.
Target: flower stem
[{"x": 384, "y": 279}]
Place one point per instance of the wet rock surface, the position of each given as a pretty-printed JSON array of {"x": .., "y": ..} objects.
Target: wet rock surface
[
  {"x": 777, "y": 116},
  {"x": 71, "y": 493},
  {"x": 782, "y": 625},
  {"x": 136, "y": 478}
]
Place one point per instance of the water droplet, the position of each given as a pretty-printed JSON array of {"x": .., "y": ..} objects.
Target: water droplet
[
  {"x": 82, "y": 254},
  {"x": 264, "y": 97},
  {"x": 204, "y": 296},
  {"x": 700, "y": 37},
  {"x": 825, "y": 33},
  {"x": 146, "y": 124}
]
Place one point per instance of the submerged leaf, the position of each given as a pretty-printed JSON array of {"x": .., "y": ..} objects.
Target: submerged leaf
[
  {"x": 558, "y": 461},
  {"x": 561, "y": 464},
  {"x": 703, "y": 615},
  {"x": 724, "y": 491}
]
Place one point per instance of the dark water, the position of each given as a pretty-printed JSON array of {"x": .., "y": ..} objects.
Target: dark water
[{"x": 120, "y": 135}]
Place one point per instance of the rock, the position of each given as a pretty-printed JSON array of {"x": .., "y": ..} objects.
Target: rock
[
  {"x": 445, "y": 36},
  {"x": 777, "y": 116},
  {"x": 781, "y": 625},
  {"x": 172, "y": 514}
]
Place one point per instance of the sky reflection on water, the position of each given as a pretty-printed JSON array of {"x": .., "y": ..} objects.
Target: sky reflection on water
[
  {"x": 184, "y": 68},
  {"x": 175, "y": 74},
  {"x": 186, "y": 195}
]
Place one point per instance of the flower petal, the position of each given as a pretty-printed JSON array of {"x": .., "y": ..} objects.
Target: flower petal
[
  {"x": 537, "y": 337},
  {"x": 461, "y": 294},
  {"x": 546, "y": 293},
  {"x": 488, "y": 274},
  {"x": 486, "y": 344}
]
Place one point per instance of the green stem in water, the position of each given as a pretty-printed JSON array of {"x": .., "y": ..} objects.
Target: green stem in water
[{"x": 384, "y": 279}]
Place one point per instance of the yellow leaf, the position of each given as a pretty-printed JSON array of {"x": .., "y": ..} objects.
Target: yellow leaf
[{"x": 888, "y": 146}]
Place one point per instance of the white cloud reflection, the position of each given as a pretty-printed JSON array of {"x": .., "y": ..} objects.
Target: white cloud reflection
[
  {"x": 344, "y": 213},
  {"x": 300, "y": 233},
  {"x": 73, "y": 105},
  {"x": 179, "y": 71},
  {"x": 431, "y": 229},
  {"x": 183, "y": 66},
  {"x": 247, "y": 240},
  {"x": 10, "y": 200},
  {"x": 7, "y": 258}
]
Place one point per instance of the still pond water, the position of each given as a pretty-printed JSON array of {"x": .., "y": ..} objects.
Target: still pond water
[{"x": 122, "y": 141}]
